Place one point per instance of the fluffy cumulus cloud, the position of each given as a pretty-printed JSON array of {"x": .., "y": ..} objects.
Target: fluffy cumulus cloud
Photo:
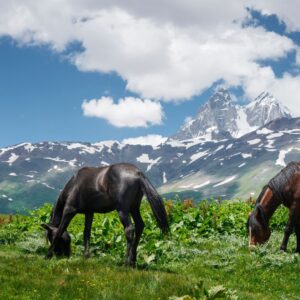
[
  {"x": 165, "y": 50},
  {"x": 128, "y": 112}
]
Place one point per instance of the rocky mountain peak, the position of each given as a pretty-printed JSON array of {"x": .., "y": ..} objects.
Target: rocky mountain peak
[
  {"x": 213, "y": 121},
  {"x": 221, "y": 118},
  {"x": 265, "y": 108},
  {"x": 221, "y": 96}
]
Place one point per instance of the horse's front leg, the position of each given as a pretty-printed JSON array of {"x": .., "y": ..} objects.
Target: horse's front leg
[
  {"x": 288, "y": 230},
  {"x": 87, "y": 233},
  {"x": 129, "y": 233}
]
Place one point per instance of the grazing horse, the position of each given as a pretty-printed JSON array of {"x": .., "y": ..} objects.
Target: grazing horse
[
  {"x": 284, "y": 189},
  {"x": 117, "y": 187}
]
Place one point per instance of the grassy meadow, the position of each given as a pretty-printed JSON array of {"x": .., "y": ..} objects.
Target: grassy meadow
[{"x": 206, "y": 256}]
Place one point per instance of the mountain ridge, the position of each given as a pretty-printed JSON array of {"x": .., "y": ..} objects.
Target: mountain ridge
[{"x": 34, "y": 173}]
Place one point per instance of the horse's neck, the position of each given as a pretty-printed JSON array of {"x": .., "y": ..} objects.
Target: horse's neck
[
  {"x": 269, "y": 203},
  {"x": 57, "y": 212}
]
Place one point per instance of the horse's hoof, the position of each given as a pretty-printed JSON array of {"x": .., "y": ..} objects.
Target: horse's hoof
[
  {"x": 130, "y": 264},
  {"x": 283, "y": 249},
  {"x": 49, "y": 256}
]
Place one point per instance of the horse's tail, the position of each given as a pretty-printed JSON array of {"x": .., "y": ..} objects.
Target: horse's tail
[{"x": 156, "y": 203}]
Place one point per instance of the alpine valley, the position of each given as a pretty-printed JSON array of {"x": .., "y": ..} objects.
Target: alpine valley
[{"x": 226, "y": 150}]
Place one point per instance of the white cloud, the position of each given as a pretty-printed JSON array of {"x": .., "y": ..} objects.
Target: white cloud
[
  {"x": 287, "y": 11},
  {"x": 179, "y": 62},
  {"x": 128, "y": 112},
  {"x": 166, "y": 50},
  {"x": 151, "y": 139}
]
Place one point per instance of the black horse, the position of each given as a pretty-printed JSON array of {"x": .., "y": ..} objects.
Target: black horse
[{"x": 117, "y": 187}]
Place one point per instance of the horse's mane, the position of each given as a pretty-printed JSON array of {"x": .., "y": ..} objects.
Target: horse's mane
[
  {"x": 282, "y": 179},
  {"x": 261, "y": 195}
]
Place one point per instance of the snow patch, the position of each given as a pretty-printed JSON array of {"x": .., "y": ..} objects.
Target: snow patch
[
  {"x": 48, "y": 186},
  {"x": 225, "y": 181},
  {"x": 246, "y": 155},
  {"x": 219, "y": 148},
  {"x": 198, "y": 155},
  {"x": 55, "y": 169},
  {"x": 270, "y": 144},
  {"x": 201, "y": 184},
  {"x": 30, "y": 176},
  {"x": 165, "y": 180},
  {"x": 29, "y": 147},
  {"x": 175, "y": 143},
  {"x": 84, "y": 148},
  {"x": 254, "y": 142},
  {"x": 281, "y": 157},
  {"x": 153, "y": 140},
  {"x": 144, "y": 158},
  {"x": 242, "y": 124},
  {"x": 264, "y": 131},
  {"x": 13, "y": 157},
  {"x": 274, "y": 135},
  {"x": 57, "y": 159},
  {"x": 185, "y": 186}
]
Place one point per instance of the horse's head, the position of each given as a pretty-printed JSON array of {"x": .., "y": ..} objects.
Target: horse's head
[
  {"x": 257, "y": 225},
  {"x": 63, "y": 247}
]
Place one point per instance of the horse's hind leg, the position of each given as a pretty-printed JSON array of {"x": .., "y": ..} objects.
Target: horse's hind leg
[
  {"x": 139, "y": 228},
  {"x": 129, "y": 233},
  {"x": 87, "y": 233},
  {"x": 297, "y": 231}
]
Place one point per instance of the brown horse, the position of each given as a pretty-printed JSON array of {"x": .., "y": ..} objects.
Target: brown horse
[
  {"x": 117, "y": 187},
  {"x": 284, "y": 189}
]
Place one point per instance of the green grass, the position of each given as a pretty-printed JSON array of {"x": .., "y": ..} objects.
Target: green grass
[
  {"x": 206, "y": 252},
  {"x": 263, "y": 273}
]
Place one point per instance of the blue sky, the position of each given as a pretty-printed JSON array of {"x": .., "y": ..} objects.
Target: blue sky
[{"x": 45, "y": 76}]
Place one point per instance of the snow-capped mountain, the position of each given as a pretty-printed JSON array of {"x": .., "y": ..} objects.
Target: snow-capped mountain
[
  {"x": 221, "y": 118},
  {"x": 227, "y": 164},
  {"x": 265, "y": 108}
]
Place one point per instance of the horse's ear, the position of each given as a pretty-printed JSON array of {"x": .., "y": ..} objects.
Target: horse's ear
[
  {"x": 259, "y": 215},
  {"x": 46, "y": 226},
  {"x": 257, "y": 212}
]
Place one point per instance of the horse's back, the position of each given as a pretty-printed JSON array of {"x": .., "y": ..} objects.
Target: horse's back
[
  {"x": 286, "y": 184},
  {"x": 100, "y": 189}
]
